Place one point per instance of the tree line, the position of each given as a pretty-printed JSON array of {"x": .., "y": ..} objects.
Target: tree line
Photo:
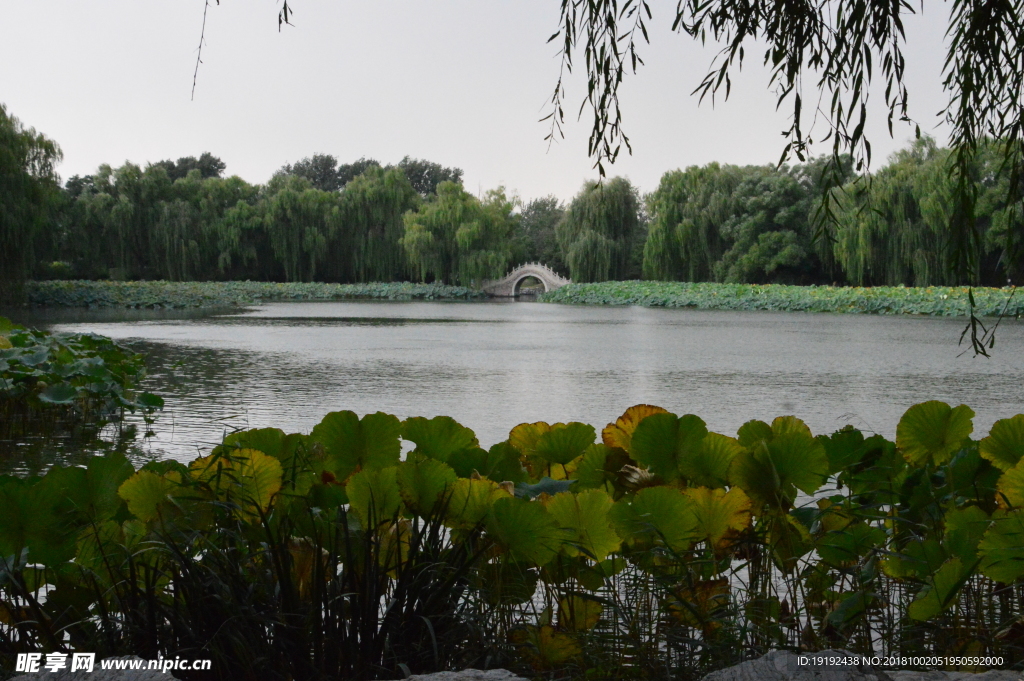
[{"x": 321, "y": 220}]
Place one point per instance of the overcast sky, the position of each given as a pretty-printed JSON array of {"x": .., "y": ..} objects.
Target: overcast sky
[{"x": 459, "y": 82}]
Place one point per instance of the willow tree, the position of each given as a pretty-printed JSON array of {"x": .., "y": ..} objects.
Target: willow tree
[
  {"x": 456, "y": 238},
  {"x": 28, "y": 190},
  {"x": 684, "y": 241},
  {"x": 372, "y": 206},
  {"x": 301, "y": 221},
  {"x": 599, "y": 229}
]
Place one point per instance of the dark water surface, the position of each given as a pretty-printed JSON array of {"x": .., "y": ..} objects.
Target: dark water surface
[{"x": 494, "y": 365}]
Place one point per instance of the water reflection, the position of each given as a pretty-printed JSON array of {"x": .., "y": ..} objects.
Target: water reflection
[{"x": 491, "y": 366}]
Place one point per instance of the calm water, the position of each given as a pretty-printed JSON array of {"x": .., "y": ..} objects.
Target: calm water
[{"x": 494, "y": 365}]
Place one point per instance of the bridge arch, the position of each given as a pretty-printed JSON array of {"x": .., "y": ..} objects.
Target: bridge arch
[{"x": 506, "y": 286}]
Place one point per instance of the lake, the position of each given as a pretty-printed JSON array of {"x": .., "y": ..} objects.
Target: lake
[{"x": 493, "y": 365}]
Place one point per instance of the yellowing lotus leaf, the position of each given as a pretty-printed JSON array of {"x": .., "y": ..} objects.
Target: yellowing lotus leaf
[
  {"x": 657, "y": 516},
  {"x": 145, "y": 491},
  {"x": 524, "y": 436},
  {"x": 470, "y": 500},
  {"x": 544, "y": 647},
  {"x": 247, "y": 478},
  {"x": 525, "y": 529},
  {"x": 374, "y": 496},
  {"x": 833, "y": 516},
  {"x": 701, "y": 605},
  {"x": 584, "y": 519},
  {"x": 717, "y": 511},
  {"x": 5, "y": 343},
  {"x": 789, "y": 424},
  {"x": 423, "y": 481},
  {"x": 620, "y": 433},
  {"x": 931, "y": 432},
  {"x": 1002, "y": 547},
  {"x": 1004, "y": 446},
  {"x": 576, "y": 613},
  {"x": 1010, "y": 487}
]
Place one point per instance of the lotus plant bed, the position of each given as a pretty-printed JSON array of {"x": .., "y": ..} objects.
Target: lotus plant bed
[
  {"x": 653, "y": 550},
  {"x": 191, "y": 294},
  {"x": 941, "y": 301},
  {"x": 52, "y": 382}
]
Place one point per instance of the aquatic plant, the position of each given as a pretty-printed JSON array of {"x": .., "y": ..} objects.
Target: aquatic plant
[
  {"x": 57, "y": 381},
  {"x": 655, "y": 550}
]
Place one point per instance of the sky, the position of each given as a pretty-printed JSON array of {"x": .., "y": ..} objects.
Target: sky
[{"x": 460, "y": 82}]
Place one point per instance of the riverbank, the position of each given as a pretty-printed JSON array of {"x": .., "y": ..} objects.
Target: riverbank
[
  {"x": 192, "y": 294},
  {"x": 941, "y": 301}
]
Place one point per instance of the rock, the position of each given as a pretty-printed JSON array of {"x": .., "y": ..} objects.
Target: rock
[
  {"x": 469, "y": 675},
  {"x": 782, "y": 665},
  {"x": 99, "y": 674}
]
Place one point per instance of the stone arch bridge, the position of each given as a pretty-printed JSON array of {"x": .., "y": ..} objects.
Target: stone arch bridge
[{"x": 508, "y": 287}]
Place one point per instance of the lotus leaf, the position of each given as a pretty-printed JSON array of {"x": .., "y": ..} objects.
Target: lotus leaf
[
  {"x": 844, "y": 547},
  {"x": 526, "y": 530},
  {"x": 917, "y": 559},
  {"x": 1011, "y": 487},
  {"x": 564, "y": 442},
  {"x": 592, "y": 471},
  {"x": 507, "y": 582},
  {"x": 62, "y": 393},
  {"x": 1002, "y": 547},
  {"x": 930, "y": 432},
  {"x": 577, "y": 612},
  {"x": 423, "y": 481},
  {"x": 709, "y": 463},
  {"x": 524, "y": 437},
  {"x": 545, "y": 647},
  {"x": 146, "y": 491},
  {"x": 833, "y": 514},
  {"x": 438, "y": 438},
  {"x": 657, "y": 516},
  {"x": 247, "y": 477},
  {"x": 353, "y": 443},
  {"x": 309, "y": 562},
  {"x": 702, "y": 604},
  {"x": 718, "y": 512},
  {"x": 785, "y": 459},
  {"x": 964, "y": 529},
  {"x": 584, "y": 519},
  {"x": 940, "y": 591},
  {"x": 500, "y": 463},
  {"x": 620, "y": 433},
  {"x": 470, "y": 501},
  {"x": 374, "y": 496},
  {"x": 1004, "y": 446},
  {"x": 661, "y": 442},
  {"x": 788, "y": 539}
]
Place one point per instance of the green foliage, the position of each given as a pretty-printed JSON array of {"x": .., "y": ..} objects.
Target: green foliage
[
  {"x": 59, "y": 381},
  {"x": 932, "y": 300},
  {"x": 286, "y": 547},
  {"x": 599, "y": 229}
]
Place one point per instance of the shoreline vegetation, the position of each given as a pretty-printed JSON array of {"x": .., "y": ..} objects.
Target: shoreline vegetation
[
  {"x": 939, "y": 301},
  {"x": 193, "y": 294}
]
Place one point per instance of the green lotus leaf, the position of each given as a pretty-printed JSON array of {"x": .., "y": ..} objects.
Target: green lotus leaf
[
  {"x": 753, "y": 432},
  {"x": 1004, "y": 446},
  {"x": 964, "y": 529},
  {"x": 104, "y": 476},
  {"x": 62, "y": 393},
  {"x": 916, "y": 560},
  {"x": 940, "y": 590},
  {"x": 620, "y": 433},
  {"x": 564, "y": 442},
  {"x": 525, "y": 529},
  {"x": 146, "y": 491},
  {"x": 246, "y": 477},
  {"x": 788, "y": 539},
  {"x": 1002, "y": 547},
  {"x": 657, "y": 516},
  {"x": 543, "y": 646},
  {"x": 500, "y": 463},
  {"x": 267, "y": 440},
  {"x": 1011, "y": 486},
  {"x": 352, "y": 443},
  {"x": 717, "y": 512},
  {"x": 844, "y": 448},
  {"x": 591, "y": 472},
  {"x": 930, "y": 432},
  {"x": 771, "y": 470},
  {"x": 708, "y": 464},
  {"x": 506, "y": 582},
  {"x": 374, "y": 496},
  {"x": 422, "y": 481},
  {"x": 844, "y": 547},
  {"x": 662, "y": 441},
  {"x": 585, "y": 520},
  {"x": 471, "y": 500},
  {"x": 438, "y": 438},
  {"x": 576, "y": 612}
]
